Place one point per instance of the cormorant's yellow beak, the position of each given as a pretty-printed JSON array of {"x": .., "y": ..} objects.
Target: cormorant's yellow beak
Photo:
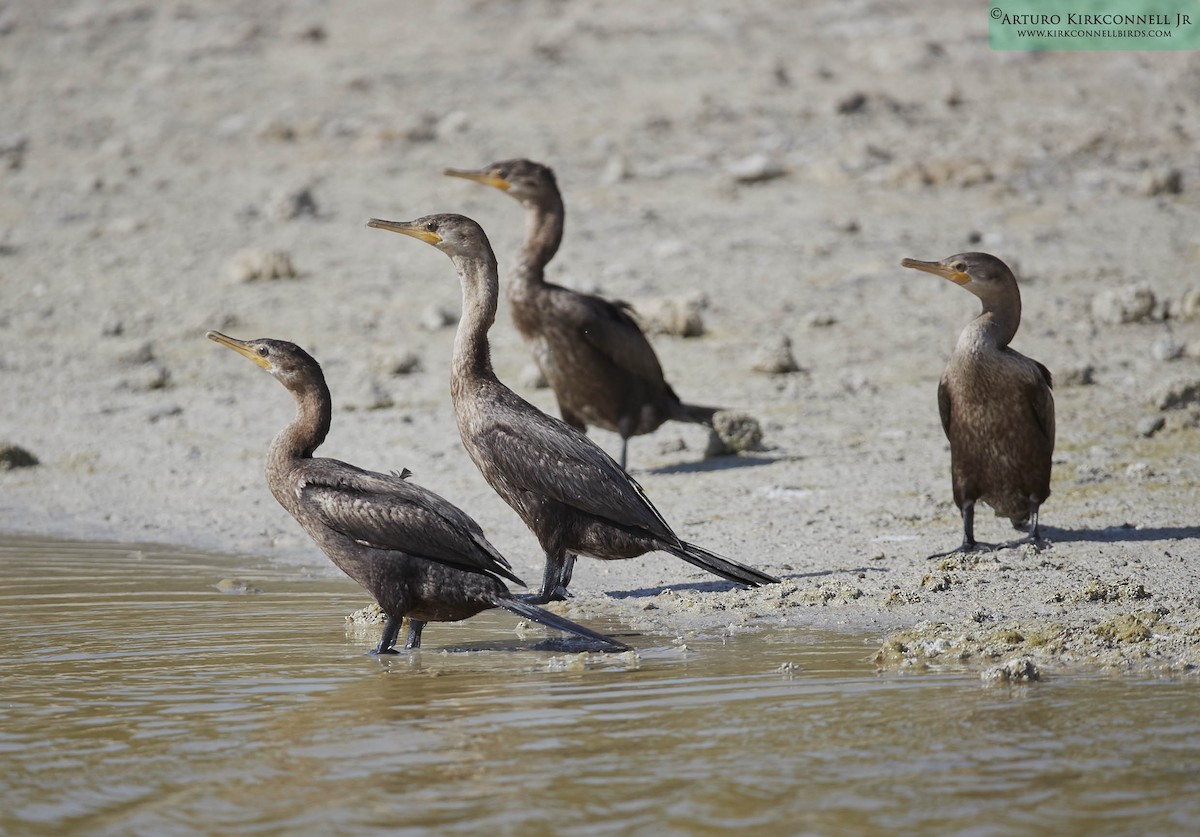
[
  {"x": 407, "y": 228},
  {"x": 485, "y": 177},
  {"x": 938, "y": 269},
  {"x": 239, "y": 346}
]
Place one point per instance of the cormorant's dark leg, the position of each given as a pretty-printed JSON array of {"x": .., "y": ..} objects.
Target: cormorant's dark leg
[
  {"x": 553, "y": 590},
  {"x": 390, "y": 629},
  {"x": 415, "y": 626},
  {"x": 624, "y": 450},
  {"x": 969, "y": 544},
  {"x": 564, "y": 575},
  {"x": 968, "y": 518},
  {"x": 1035, "y": 534}
]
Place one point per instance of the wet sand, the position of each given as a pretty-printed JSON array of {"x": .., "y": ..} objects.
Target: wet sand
[{"x": 778, "y": 166}]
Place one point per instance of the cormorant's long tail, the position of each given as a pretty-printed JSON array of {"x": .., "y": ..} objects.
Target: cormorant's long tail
[
  {"x": 559, "y": 623},
  {"x": 695, "y": 413},
  {"x": 717, "y": 565}
]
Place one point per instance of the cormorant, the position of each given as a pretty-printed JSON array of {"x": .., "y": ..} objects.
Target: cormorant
[
  {"x": 569, "y": 492},
  {"x": 591, "y": 351},
  {"x": 417, "y": 554},
  {"x": 996, "y": 405}
]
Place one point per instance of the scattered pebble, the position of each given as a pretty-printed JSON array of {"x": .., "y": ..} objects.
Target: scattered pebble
[
  {"x": 1167, "y": 348},
  {"x": 679, "y": 316},
  {"x": 1016, "y": 670},
  {"x": 437, "y": 317},
  {"x": 733, "y": 432},
  {"x": 292, "y": 204},
  {"x": 372, "y": 614},
  {"x": 1130, "y": 304},
  {"x": 12, "y": 150},
  {"x": 257, "y": 264},
  {"x": 1148, "y": 426},
  {"x": 143, "y": 354},
  {"x": 15, "y": 456},
  {"x": 1188, "y": 307},
  {"x": 1081, "y": 375},
  {"x": 776, "y": 358},
  {"x": 147, "y": 377},
  {"x": 853, "y": 103},
  {"x": 1168, "y": 181},
  {"x": 1177, "y": 394},
  {"x": 404, "y": 363},
  {"x": 757, "y": 168}
]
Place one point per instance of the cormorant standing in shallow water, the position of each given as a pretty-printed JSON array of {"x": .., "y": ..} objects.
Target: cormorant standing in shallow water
[
  {"x": 595, "y": 357},
  {"x": 996, "y": 405},
  {"x": 569, "y": 492},
  {"x": 417, "y": 554}
]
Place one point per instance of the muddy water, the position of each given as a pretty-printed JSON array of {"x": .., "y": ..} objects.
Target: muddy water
[{"x": 135, "y": 698}]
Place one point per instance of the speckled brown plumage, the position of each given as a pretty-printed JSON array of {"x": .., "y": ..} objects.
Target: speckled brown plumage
[
  {"x": 595, "y": 357},
  {"x": 996, "y": 404},
  {"x": 569, "y": 492},
  {"x": 420, "y": 556}
]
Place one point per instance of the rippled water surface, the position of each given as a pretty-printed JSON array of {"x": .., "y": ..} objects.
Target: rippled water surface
[{"x": 135, "y": 698}]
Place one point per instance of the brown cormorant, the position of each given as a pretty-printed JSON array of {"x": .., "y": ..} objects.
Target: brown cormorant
[
  {"x": 420, "y": 556},
  {"x": 594, "y": 356},
  {"x": 996, "y": 405},
  {"x": 569, "y": 492}
]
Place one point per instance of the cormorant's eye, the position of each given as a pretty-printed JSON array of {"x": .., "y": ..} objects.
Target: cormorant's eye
[
  {"x": 961, "y": 267},
  {"x": 431, "y": 226},
  {"x": 264, "y": 351}
]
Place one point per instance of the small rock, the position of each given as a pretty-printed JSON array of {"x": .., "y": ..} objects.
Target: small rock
[
  {"x": 234, "y": 587},
  {"x": 1167, "y": 348},
  {"x": 148, "y": 378},
  {"x": 1188, "y": 419},
  {"x": 1177, "y": 394},
  {"x": 1139, "y": 471},
  {"x": 672, "y": 445},
  {"x": 1150, "y": 425},
  {"x": 820, "y": 319},
  {"x": 372, "y": 614},
  {"x": 12, "y": 150},
  {"x": 15, "y": 456},
  {"x": 437, "y": 317},
  {"x": 679, "y": 316},
  {"x": 1130, "y": 304},
  {"x": 853, "y": 103},
  {"x": 1188, "y": 307},
  {"x": 314, "y": 32},
  {"x": 1017, "y": 670},
  {"x": 288, "y": 206},
  {"x": 733, "y": 432},
  {"x": 403, "y": 364},
  {"x": 1167, "y": 181},
  {"x": 1075, "y": 376},
  {"x": 531, "y": 377},
  {"x": 255, "y": 264},
  {"x": 455, "y": 122},
  {"x": 776, "y": 358},
  {"x": 855, "y": 381},
  {"x": 757, "y": 168},
  {"x": 136, "y": 357},
  {"x": 615, "y": 171}
]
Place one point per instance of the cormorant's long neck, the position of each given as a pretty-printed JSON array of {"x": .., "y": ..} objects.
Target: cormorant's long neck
[
  {"x": 306, "y": 432},
  {"x": 472, "y": 358},
  {"x": 997, "y": 325},
  {"x": 544, "y": 220}
]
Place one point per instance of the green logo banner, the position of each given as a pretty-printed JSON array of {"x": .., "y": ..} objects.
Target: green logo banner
[{"x": 1094, "y": 24}]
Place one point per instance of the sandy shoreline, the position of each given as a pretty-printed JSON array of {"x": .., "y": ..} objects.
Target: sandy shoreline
[{"x": 149, "y": 144}]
